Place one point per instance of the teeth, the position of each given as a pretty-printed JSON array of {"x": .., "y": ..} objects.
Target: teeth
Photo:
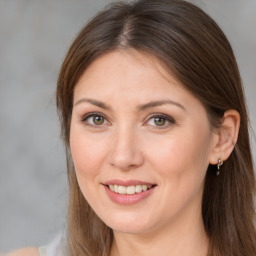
[
  {"x": 121, "y": 190},
  {"x": 138, "y": 189},
  {"x": 144, "y": 187},
  {"x": 130, "y": 190}
]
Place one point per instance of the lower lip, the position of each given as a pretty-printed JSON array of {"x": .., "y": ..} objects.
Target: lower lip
[{"x": 128, "y": 199}]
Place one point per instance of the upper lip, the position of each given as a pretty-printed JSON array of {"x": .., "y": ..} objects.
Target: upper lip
[{"x": 127, "y": 183}]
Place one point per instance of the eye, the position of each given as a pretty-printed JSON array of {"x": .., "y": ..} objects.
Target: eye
[
  {"x": 160, "y": 121},
  {"x": 94, "y": 119},
  {"x": 98, "y": 120}
]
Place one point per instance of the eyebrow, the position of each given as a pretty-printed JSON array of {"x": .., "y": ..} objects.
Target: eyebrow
[
  {"x": 94, "y": 102},
  {"x": 160, "y": 103},
  {"x": 140, "y": 107}
]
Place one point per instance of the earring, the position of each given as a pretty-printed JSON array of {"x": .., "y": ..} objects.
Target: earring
[{"x": 219, "y": 164}]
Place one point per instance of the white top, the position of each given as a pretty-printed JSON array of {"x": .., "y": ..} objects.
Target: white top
[{"x": 55, "y": 248}]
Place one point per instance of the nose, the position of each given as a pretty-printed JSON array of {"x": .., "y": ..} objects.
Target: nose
[{"x": 126, "y": 151}]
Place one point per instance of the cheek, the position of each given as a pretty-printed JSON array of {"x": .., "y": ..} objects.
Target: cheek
[
  {"x": 182, "y": 157},
  {"x": 87, "y": 153},
  {"x": 178, "y": 151},
  {"x": 87, "y": 157}
]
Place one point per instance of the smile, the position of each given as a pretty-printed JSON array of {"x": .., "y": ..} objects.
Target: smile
[{"x": 129, "y": 190}]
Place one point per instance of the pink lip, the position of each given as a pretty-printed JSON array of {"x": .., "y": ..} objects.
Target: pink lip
[
  {"x": 127, "y": 183},
  {"x": 127, "y": 199}
]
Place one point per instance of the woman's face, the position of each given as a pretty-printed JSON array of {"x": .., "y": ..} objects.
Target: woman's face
[{"x": 140, "y": 143}]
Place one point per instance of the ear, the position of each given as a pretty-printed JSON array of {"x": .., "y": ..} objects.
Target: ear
[{"x": 225, "y": 137}]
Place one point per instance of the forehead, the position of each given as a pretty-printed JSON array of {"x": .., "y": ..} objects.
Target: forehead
[{"x": 126, "y": 69}]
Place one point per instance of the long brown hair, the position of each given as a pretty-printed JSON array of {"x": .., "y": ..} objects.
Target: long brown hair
[{"x": 194, "y": 49}]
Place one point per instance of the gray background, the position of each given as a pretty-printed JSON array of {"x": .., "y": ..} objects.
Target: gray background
[{"x": 34, "y": 37}]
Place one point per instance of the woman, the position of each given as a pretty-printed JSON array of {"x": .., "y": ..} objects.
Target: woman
[{"x": 156, "y": 133}]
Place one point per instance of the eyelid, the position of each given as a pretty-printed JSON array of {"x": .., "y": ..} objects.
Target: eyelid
[
  {"x": 168, "y": 118},
  {"x": 86, "y": 116},
  {"x": 93, "y": 114}
]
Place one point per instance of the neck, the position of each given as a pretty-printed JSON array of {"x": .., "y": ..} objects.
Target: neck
[{"x": 186, "y": 238}]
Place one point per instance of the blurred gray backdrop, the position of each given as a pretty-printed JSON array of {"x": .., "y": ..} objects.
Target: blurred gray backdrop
[{"x": 34, "y": 37}]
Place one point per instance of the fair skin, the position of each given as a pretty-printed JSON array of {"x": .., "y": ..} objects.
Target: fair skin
[{"x": 134, "y": 124}]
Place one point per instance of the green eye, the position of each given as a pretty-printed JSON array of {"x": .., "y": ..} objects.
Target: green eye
[
  {"x": 94, "y": 119},
  {"x": 159, "y": 121},
  {"x": 98, "y": 120}
]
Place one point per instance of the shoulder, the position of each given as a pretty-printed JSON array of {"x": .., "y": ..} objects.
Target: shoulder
[{"x": 29, "y": 251}]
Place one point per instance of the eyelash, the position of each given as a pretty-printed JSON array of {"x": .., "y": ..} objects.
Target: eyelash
[
  {"x": 95, "y": 114},
  {"x": 167, "y": 118}
]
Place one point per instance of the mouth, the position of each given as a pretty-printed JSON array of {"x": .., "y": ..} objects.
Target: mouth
[{"x": 129, "y": 190}]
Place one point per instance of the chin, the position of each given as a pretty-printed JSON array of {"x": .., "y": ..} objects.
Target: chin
[{"x": 129, "y": 224}]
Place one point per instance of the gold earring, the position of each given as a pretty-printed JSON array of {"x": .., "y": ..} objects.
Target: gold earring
[{"x": 219, "y": 164}]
